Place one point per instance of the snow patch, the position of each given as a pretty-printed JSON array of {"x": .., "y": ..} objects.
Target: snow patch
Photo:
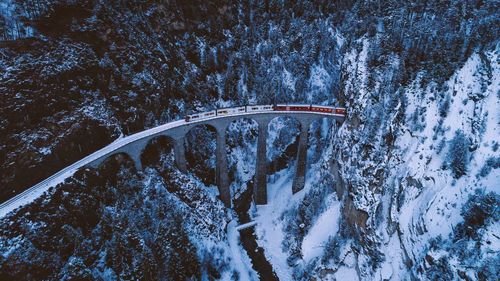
[
  {"x": 240, "y": 259},
  {"x": 269, "y": 224},
  {"x": 325, "y": 227}
]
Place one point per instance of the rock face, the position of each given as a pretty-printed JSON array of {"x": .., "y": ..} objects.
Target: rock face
[
  {"x": 415, "y": 168},
  {"x": 409, "y": 180}
]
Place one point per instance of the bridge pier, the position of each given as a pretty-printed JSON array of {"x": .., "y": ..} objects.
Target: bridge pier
[
  {"x": 134, "y": 150},
  {"x": 222, "y": 176},
  {"x": 260, "y": 183},
  {"x": 180, "y": 154},
  {"x": 301, "y": 164},
  {"x": 137, "y": 161}
]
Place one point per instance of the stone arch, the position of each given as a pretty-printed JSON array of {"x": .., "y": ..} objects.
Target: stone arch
[
  {"x": 157, "y": 148},
  {"x": 321, "y": 130},
  {"x": 109, "y": 167},
  {"x": 286, "y": 141},
  {"x": 114, "y": 161},
  {"x": 200, "y": 144},
  {"x": 241, "y": 146}
]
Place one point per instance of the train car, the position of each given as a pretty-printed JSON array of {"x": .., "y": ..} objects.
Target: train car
[
  {"x": 280, "y": 107},
  {"x": 208, "y": 114},
  {"x": 251, "y": 108},
  {"x": 340, "y": 110},
  {"x": 199, "y": 116},
  {"x": 223, "y": 111},
  {"x": 191, "y": 117},
  {"x": 230, "y": 111},
  {"x": 267, "y": 107},
  {"x": 292, "y": 107},
  {"x": 299, "y": 107},
  {"x": 322, "y": 109}
]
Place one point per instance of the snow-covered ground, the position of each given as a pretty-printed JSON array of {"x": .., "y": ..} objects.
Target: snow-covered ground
[
  {"x": 325, "y": 227},
  {"x": 269, "y": 218},
  {"x": 437, "y": 209},
  {"x": 269, "y": 224}
]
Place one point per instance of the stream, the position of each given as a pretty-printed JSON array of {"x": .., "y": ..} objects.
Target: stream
[{"x": 249, "y": 240}]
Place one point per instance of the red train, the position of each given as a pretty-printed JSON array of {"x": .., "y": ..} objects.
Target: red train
[{"x": 264, "y": 108}]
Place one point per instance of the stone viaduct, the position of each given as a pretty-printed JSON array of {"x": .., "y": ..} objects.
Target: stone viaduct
[{"x": 177, "y": 134}]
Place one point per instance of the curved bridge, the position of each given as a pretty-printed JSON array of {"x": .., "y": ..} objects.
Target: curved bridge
[{"x": 133, "y": 146}]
